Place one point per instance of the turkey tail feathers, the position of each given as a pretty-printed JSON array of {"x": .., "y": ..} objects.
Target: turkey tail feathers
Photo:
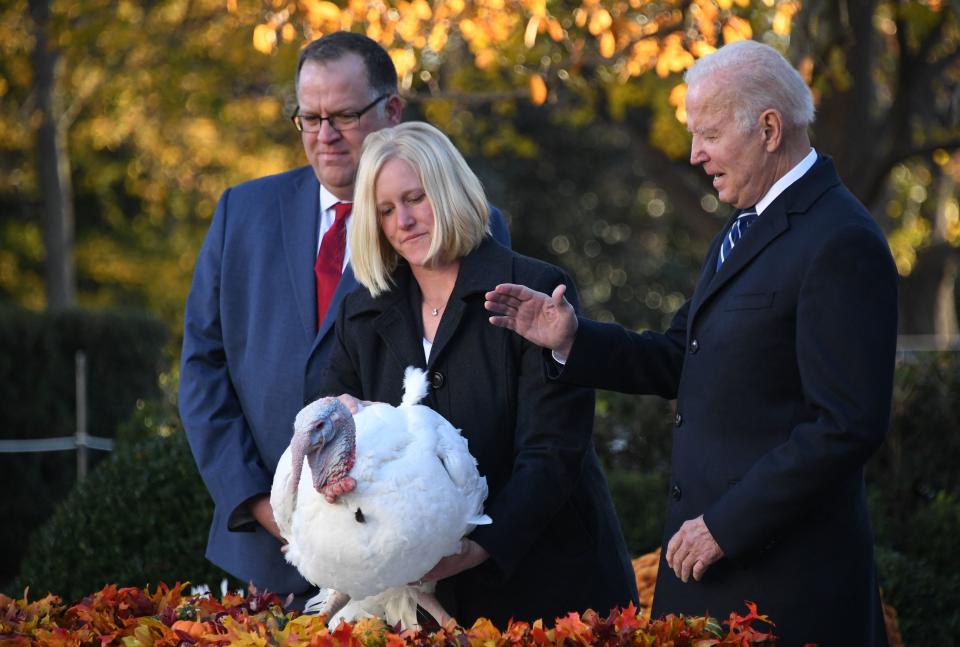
[
  {"x": 480, "y": 520},
  {"x": 414, "y": 386}
]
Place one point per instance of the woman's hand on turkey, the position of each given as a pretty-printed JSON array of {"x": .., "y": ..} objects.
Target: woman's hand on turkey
[
  {"x": 471, "y": 554},
  {"x": 353, "y": 403},
  {"x": 546, "y": 320}
]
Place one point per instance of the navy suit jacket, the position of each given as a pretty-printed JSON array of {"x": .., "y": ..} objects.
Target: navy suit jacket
[
  {"x": 250, "y": 334},
  {"x": 782, "y": 367}
]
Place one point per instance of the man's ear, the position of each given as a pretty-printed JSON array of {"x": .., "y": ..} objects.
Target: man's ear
[
  {"x": 771, "y": 129},
  {"x": 394, "y": 109}
]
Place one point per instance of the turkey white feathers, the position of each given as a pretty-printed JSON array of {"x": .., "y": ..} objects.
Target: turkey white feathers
[{"x": 417, "y": 493}]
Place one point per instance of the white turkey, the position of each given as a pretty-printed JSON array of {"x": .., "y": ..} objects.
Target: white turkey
[{"x": 415, "y": 493}]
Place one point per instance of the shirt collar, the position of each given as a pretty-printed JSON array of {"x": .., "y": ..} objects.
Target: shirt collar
[
  {"x": 791, "y": 176},
  {"x": 327, "y": 200}
]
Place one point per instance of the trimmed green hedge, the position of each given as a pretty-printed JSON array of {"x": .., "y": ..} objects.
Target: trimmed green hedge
[
  {"x": 141, "y": 518},
  {"x": 37, "y": 400}
]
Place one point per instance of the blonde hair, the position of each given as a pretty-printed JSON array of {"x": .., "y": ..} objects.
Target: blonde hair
[{"x": 456, "y": 197}]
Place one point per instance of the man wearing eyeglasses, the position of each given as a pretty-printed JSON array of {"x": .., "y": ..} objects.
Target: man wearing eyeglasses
[{"x": 266, "y": 289}]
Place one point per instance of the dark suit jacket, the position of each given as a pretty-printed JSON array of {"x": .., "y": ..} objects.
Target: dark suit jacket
[
  {"x": 250, "y": 328},
  {"x": 782, "y": 366},
  {"x": 555, "y": 542}
]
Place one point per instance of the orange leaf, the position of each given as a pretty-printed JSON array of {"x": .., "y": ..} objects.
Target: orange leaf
[
  {"x": 736, "y": 29},
  {"x": 538, "y": 90}
]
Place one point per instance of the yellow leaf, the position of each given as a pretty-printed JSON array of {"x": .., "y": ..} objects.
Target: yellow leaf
[
  {"x": 438, "y": 37},
  {"x": 537, "y": 8},
  {"x": 706, "y": 14},
  {"x": 538, "y": 90},
  {"x": 673, "y": 57},
  {"x": 678, "y": 98},
  {"x": 468, "y": 28},
  {"x": 701, "y": 49},
  {"x": 264, "y": 38},
  {"x": 608, "y": 45},
  {"x": 736, "y": 29},
  {"x": 288, "y": 33},
  {"x": 422, "y": 9},
  {"x": 783, "y": 18},
  {"x": 600, "y": 21},
  {"x": 321, "y": 11},
  {"x": 404, "y": 60}
]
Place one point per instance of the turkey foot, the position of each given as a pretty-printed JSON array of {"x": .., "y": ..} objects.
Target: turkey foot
[
  {"x": 429, "y": 602},
  {"x": 326, "y": 603}
]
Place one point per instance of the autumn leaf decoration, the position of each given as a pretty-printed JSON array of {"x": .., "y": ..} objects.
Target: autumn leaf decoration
[{"x": 168, "y": 617}]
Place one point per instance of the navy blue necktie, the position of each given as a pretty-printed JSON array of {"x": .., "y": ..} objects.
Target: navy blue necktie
[{"x": 737, "y": 229}]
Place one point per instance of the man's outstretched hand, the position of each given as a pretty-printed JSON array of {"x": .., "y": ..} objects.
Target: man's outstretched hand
[{"x": 545, "y": 320}]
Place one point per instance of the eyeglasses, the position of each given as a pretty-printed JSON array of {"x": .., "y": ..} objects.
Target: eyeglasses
[{"x": 338, "y": 121}]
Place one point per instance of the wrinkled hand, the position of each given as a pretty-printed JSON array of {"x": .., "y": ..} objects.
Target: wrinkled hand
[
  {"x": 353, "y": 403},
  {"x": 547, "y": 321},
  {"x": 471, "y": 554},
  {"x": 692, "y": 550}
]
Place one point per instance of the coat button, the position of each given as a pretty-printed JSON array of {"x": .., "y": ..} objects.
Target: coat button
[
  {"x": 436, "y": 379},
  {"x": 676, "y": 492},
  {"x": 694, "y": 345},
  {"x": 679, "y": 419}
]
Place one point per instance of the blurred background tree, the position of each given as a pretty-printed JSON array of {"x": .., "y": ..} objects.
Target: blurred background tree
[{"x": 120, "y": 124}]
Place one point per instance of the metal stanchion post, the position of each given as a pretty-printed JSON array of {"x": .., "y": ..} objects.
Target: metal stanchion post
[{"x": 81, "y": 440}]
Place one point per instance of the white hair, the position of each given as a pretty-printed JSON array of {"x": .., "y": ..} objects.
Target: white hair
[{"x": 757, "y": 78}]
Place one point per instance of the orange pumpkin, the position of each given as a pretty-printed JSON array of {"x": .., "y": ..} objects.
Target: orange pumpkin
[{"x": 190, "y": 627}]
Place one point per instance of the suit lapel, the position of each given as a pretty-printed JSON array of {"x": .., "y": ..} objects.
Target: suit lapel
[
  {"x": 299, "y": 210},
  {"x": 708, "y": 270},
  {"x": 774, "y": 222},
  {"x": 348, "y": 283},
  {"x": 397, "y": 325},
  {"x": 480, "y": 271},
  {"x": 764, "y": 231}
]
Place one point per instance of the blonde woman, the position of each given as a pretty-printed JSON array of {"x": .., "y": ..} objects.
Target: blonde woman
[{"x": 420, "y": 244}]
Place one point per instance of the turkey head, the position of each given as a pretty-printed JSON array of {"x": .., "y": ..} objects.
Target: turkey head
[{"x": 325, "y": 435}]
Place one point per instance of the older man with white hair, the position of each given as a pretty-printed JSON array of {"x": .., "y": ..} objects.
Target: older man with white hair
[{"x": 781, "y": 363}]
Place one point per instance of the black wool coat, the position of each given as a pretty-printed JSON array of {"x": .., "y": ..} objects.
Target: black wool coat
[
  {"x": 555, "y": 543},
  {"x": 782, "y": 367}
]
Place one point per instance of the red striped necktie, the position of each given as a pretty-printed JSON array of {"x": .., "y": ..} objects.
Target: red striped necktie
[{"x": 330, "y": 259}]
